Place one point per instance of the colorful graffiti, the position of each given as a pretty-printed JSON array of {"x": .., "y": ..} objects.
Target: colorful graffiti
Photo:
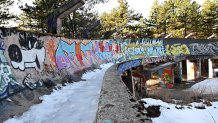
[
  {"x": 30, "y": 54},
  {"x": 49, "y": 53},
  {"x": 102, "y": 52},
  {"x": 7, "y": 79},
  {"x": 204, "y": 49},
  {"x": 2, "y": 56},
  {"x": 177, "y": 49},
  {"x": 167, "y": 78},
  {"x": 128, "y": 65},
  {"x": 143, "y": 48},
  {"x": 79, "y": 54},
  {"x": 51, "y": 49},
  {"x": 66, "y": 53},
  {"x": 158, "y": 59}
]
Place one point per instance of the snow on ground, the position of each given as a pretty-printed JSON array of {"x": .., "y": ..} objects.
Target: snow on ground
[
  {"x": 74, "y": 103},
  {"x": 208, "y": 86},
  {"x": 189, "y": 114}
]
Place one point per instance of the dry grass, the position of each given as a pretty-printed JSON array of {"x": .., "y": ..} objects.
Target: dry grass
[{"x": 182, "y": 97}]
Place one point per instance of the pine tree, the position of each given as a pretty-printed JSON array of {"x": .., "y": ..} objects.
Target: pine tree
[
  {"x": 121, "y": 20},
  {"x": 153, "y": 17},
  {"x": 188, "y": 15},
  {"x": 34, "y": 17},
  {"x": 77, "y": 24},
  {"x": 175, "y": 17},
  {"x": 210, "y": 17},
  {"x": 4, "y": 11}
]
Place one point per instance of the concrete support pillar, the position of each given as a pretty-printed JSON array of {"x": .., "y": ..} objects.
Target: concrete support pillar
[
  {"x": 210, "y": 67},
  {"x": 180, "y": 71},
  {"x": 59, "y": 25},
  {"x": 190, "y": 70},
  {"x": 199, "y": 68},
  {"x": 133, "y": 84}
]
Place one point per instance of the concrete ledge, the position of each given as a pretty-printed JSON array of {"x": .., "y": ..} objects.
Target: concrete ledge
[{"x": 114, "y": 103}]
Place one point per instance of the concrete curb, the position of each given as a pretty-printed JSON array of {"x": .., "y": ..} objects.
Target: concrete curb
[{"x": 114, "y": 102}]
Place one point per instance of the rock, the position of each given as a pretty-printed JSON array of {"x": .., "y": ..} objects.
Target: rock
[
  {"x": 207, "y": 103},
  {"x": 200, "y": 107},
  {"x": 153, "y": 111},
  {"x": 48, "y": 83}
]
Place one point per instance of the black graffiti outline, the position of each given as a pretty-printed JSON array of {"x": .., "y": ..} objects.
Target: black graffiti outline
[{"x": 28, "y": 44}]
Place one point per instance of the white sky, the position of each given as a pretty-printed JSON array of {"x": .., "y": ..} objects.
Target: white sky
[
  {"x": 15, "y": 7},
  {"x": 140, "y": 6}
]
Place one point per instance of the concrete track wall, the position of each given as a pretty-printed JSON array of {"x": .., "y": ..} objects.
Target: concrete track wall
[{"x": 27, "y": 58}]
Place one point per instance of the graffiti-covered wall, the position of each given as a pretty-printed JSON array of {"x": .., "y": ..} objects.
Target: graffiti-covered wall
[
  {"x": 27, "y": 58},
  {"x": 157, "y": 50}
]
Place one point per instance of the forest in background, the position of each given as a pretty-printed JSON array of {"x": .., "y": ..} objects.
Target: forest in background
[{"x": 169, "y": 19}]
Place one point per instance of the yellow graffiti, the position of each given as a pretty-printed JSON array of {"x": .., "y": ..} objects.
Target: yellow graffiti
[{"x": 177, "y": 49}]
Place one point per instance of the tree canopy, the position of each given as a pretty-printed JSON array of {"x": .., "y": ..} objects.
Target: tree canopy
[
  {"x": 4, "y": 11},
  {"x": 171, "y": 18},
  {"x": 123, "y": 21},
  {"x": 181, "y": 18},
  {"x": 34, "y": 17}
]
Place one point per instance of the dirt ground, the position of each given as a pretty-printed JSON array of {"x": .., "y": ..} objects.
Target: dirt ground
[
  {"x": 20, "y": 103},
  {"x": 183, "y": 96}
]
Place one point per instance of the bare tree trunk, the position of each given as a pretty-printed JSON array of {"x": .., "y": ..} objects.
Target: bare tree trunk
[{"x": 185, "y": 26}]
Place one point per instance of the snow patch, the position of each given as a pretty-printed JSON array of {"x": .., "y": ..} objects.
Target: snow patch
[
  {"x": 170, "y": 113},
  {"x": 208, "y": 86},
  {"x": 74, "y": 103}
]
